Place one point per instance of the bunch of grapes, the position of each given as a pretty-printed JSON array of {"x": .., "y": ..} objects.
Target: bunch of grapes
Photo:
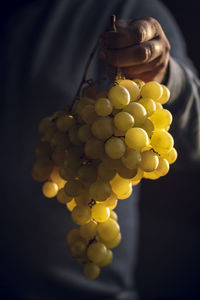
[{"x": 91, "y": 157}]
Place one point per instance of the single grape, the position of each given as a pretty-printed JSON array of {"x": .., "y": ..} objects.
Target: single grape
[
  {"x": 91, "y": 271},
  {"x": 62, "y": 197},
  {"x": 161, "y": 119},
  {"x": 96, "y": 252},
  {"x": 115, "y": 148},
  {"x": 94, "y": 148},
  {"x": 73, "y": 188},
  {"x": 103, "y": 107},
  {"x": 162, "y": 141},
  {"x": 149, "y": 161},
  {"x": 100, "y": 190},
  {"x": 171, "y": 156},
  {"x": 102, "y": 128},
  {"x": 100, "y": 213},
  {"x": 123, "y": 121},
  {"x": 64, "y": 122},
  {"x": 118, "y": 96},
  {"x": 132, "y": 88},
  {"x": 138, "y": 112},
  {"x": 153, "y": 90},
  {"x": 108, "y": 230},
  {"x": 149, "y": 104},
  {"x": 165, "y": 95},
  {"x": 136, "y": 138},
  {"x": 49, "y": 189},
  {"x": 84, "y": 133},
  {"x": 88, "y": 231},
  {"x": 114, "y": 242},
  {"x": 107, "y": 260}
]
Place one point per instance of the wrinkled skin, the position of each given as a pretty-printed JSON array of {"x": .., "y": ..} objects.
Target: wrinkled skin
[{"x": 139, "y": 47}]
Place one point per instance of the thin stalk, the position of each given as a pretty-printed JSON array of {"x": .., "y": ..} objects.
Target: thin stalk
[{"x": 83, "y": 80}]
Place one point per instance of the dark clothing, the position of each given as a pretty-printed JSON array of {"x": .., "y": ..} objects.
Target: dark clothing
[{"x": 46, "y": 45}]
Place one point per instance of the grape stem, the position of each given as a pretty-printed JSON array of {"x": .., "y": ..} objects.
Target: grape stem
[{"x": 83, "y": 80}]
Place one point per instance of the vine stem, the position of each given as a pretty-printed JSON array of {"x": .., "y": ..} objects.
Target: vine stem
[{"x": 83, "y": 80}]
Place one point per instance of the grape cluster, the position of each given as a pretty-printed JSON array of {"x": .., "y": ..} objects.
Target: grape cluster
[{"x": 91, "y": 157}]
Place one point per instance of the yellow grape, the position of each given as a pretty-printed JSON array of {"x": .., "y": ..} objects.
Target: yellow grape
[
  {"x": 132, "y": 88},
  {"x": 82, "y": 103},
  {"x": 88, "y": 114},
  {"x": 163, "y": 167},
  {"x": 114, "y": 242},
  {"x": 127, "y": 194},
  {"x": 139, "y": 82},
  {"x": 73, "y": 187},
  {"x": 165, "y": 96},
  {"x": 148, "y": 127},
  {"x": 81, "y": 215},
  {"x": 55, "y": 177},
  {"x": 108, "y": 230},
  {"x": 49, "y": 189},
  {"x": 103, "y": 107},
  {"x": 105, "y": 173},
  {"x": 138, "y": 112},
  {"x": 162, "y": 141},
  {"x": 78, "y": 248},
  {"x": 152, "y": 89},
  {"x": 96, "y": 252},
  {"x": 91, "y": 271},
  {"x": 149, "y": 104},
  {"x": 118, "y": 96},
  {"x": 149, "y": 161},
  {"x": 88, "y": 230},
  {"x": 111, "y": 201},
  {"x": 123, "y": 121},
  {"x": 107, "y": 260},
  {"x": 171, "y": 156},
  {"x": 120, "y": 185},
  {"x": 113, "y": 215},
  {"x": 161, "y": 119},
  {"x": 100, "y": 213},
  {"x": 72, "y": 236},
  {"x": 136, "y": 138},
  {"x": 70, "y": 205}
]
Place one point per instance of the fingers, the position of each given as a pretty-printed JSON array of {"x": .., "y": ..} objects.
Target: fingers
[
  {"x": 131, "y": 33},
  {"x": 133, "y": 55}
]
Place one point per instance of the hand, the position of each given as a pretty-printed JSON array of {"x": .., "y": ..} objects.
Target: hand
[{"x": 140, "y": 48}]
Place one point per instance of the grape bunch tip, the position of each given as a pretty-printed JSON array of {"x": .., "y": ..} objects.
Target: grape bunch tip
[{"x": 92, "y": 157}]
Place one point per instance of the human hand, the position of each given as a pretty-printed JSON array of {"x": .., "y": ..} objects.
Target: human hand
[{"x": 139, "y": 47}]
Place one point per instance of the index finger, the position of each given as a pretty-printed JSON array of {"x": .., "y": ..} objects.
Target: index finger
[{"x": 131, "y": 33}]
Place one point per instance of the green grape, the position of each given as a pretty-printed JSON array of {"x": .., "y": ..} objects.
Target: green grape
[
  {"x": 171, "y": 156},
  {"x": 113, "y": 215},
  {"x": 165, "y": 95},
  {"x": 118, "y": 96},
  {"x": 43, "y": 149},
  {"x": 68, "y": 173},
  {"x": 108, "y": 230},
  {"x": 88, "y": 114},
  {"x": 131, "y": 158},
  {"x": 59, "y": 141},
  {"x": 64, "y": 122},
  {"x": 91, "y": 271},
  {"x": 72, "y": 236},
  {"x": 102, "y": 128},
  {"x": 123, "y": 121},
  {"x": 163, "y": 167},
  {"x": 73, "y": 136},
  {"x": 103, "y": 107},
  {"x": 96, "y": 252},
  {"x": 100, "y": 213},
  {"x": 132, "y": 88},
  {"x": 83, "y": 199},
  {"x": 161, "y": 119},
  {"x": 73, "y": 188},
  {"x": 70, "y": 205},
  {"x": 149, "y": 161},
  {"x": 149, "y": 104},
  {"x": 100, "y": 190},
  {"x": 49, "y": 189},
  {"x": 84, "y": 133},
  {"x": 105, "y": 173},
  {"x": 107, "y": 260},
  {"x": 87, "y": 174},
  {"x": 148, "y": 127},
  {"x": 42, "y": 169},
  {"x": 78, "y": 248},
  {"x": 94, "y": 148},
  {"x": 62, "y": 197},
  {"x": 162, "y": 141},
  {"x": 43, "y": 125},
  {"x": 82, "y": 103},
  {"x": 138, "y": 112},
  {"x": 115, "y": 147},
  {"x": 113, "y": 243},
  {"x": 88, "y": 231},
  {"x": 152, "y": 89},
  {"x": 111, "y": 201},
  {"x": 81, "y": 214},
  {"x": 136, "y": 138}
]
